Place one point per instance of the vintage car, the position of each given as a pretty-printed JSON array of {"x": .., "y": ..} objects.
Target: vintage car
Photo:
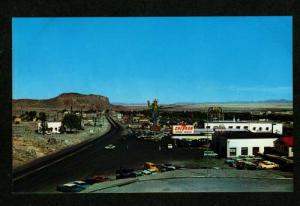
[{"x": 267, "y": 165}]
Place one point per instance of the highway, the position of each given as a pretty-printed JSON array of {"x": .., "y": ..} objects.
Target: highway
[{"x": 94, "y": 159}]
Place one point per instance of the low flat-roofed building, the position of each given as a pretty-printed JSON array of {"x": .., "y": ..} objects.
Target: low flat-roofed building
[
  {"x": 202, "y": 134},
  {"x": 253, "y": 126},
  {"x": 232, "y": 144},
  {"x": 53, "y": 127}
]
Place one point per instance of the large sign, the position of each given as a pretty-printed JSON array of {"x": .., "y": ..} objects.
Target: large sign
[{"x": 183, "y": 129}]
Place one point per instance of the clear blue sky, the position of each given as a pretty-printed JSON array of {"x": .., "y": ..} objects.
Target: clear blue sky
[{"x": 174, "y": 59}]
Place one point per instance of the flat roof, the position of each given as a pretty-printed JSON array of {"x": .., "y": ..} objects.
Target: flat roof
[{"x": 244, "y": 121}]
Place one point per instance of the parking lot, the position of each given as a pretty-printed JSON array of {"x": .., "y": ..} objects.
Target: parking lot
[{"x": 202, "y": 174}]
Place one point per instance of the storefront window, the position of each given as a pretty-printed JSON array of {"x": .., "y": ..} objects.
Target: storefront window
[
  {"x": 232, "y": 151},
  {"x": 244, "y": 151}
]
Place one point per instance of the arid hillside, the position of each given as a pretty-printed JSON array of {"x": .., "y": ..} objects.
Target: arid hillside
[{"x": 64, "y": 101}]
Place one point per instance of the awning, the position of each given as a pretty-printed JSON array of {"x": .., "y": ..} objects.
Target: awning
[{"x": 190, "y": 137}]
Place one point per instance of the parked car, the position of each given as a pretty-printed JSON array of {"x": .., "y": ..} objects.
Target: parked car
[
  {"x": 267, "y": 165},
  {"x": 95, "y": 179},
  {"x": 170, "y": 146},
  {"x": 240, "y": 164},
  {"x": 125, "y": 173},
  {"x": 161, "y": 168},
  {"x": 151, "y": 167},
  {"x": 146, "y": 172},
  {"x": 210, "y": 153},
  {"x": 231, "y": 162},
  {"x": 69, "y": 187},
  {"x": 81, "y": 183},
  {"x": 138, "y": 173},
  {"x": 110, "y": 147},
  {"x": 250, "y": 165},
  {"x": 168, "y": 167}
]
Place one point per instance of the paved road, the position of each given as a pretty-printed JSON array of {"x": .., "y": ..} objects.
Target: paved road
[{"x": 95, "y": 159}]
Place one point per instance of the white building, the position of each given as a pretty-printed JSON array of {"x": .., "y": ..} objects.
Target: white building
[
  {"x": 53, "y": 127},
  {"x": 232, "y": 144},
  {"x": 252, "y": 126},
  {"x": 199, "y": 133}
]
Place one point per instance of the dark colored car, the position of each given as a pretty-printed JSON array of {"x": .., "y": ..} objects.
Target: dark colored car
[
  {"x": 69, "y": 187},
  {"x": 125, "y": 173},
  {"x": 161, "y": 168},
  {"x": 168, "y": 167},
  {"x": 240, "y": 164},
  {"x": 249, "y": 165},
  {"x": 231, "y": 162},
  {"x": 138, "y": 173},
  {"x": 95, "y": 179}
]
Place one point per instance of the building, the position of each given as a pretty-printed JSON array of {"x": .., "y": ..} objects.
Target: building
[
  {"x": 232, "y": 144},
  {"x": 198, "y": 133},
  {"x": 284, "y": 145},
  {"x": 17, "y": 120},
  {"x": 53, "y": 127},
  {"x": 252, "y": 126},
  {"x": 135, "y": 119}
]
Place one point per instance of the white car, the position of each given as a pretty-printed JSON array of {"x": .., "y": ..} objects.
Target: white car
[
  {"x": 146, "y": 172},
  {"x": 110, "y": 146}
]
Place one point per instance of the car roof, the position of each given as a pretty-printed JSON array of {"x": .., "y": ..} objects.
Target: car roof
[
  {"x": 69, "y": 184},
  {"x": 79, "y": 181}
]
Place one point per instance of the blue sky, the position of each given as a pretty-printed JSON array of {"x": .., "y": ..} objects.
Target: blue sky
[{"x": 174, "y": 59}]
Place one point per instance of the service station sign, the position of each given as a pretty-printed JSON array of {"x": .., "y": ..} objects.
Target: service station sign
[{"x": 183, "y": 129}]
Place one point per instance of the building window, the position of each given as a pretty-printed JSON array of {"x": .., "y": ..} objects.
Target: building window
[
  {"x": 260, "y": 128},
  {"x": 230, "y": 127},
  {"x": 238, "y": 127},
  {"x": 254, "y": 128},
  {"x": 245, "y": 127},
  {"x": 255, "y": 150},
  {"x": 55, "y": 128},
  {"x": 207, "y": 127},
  {"x": 244, "y": 151},
  {"x": 267, "y": 150},
  {"x": 267, "y": 128},
  {"x": 232, "y": 151}
]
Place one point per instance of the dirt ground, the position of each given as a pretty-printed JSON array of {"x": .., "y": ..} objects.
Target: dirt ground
[{"x": 30, "y": 145}]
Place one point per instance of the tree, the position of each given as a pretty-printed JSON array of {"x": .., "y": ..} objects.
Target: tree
[
  {"x": 31, "y": 115},
  {"x": 72, "y": 121},
  {"x": 43, "y": 119}
]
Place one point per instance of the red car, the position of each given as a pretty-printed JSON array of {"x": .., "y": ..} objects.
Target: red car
[{"x": 95, "y": 179}]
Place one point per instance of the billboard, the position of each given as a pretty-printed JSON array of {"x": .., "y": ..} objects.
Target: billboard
[{"x": 183, "y": 129}]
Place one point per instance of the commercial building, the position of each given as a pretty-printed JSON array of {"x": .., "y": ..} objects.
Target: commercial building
[
  {"x": 252, "y": 126},
  {"x": 53, "y": 127},
  {"x": 188, "y": 132},
  {"x": 284, "y": 145},
  {"x": 232, "y": 144}
]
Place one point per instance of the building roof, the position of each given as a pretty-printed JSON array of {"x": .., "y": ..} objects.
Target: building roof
[
  {"x": 246, "y": 135},
  {"x": 242, "y": 121}
]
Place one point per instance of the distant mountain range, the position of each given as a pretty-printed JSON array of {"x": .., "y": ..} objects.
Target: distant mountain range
[
  {"x": 91, "y": 101},
  {"x": 225, "y": 102}
]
